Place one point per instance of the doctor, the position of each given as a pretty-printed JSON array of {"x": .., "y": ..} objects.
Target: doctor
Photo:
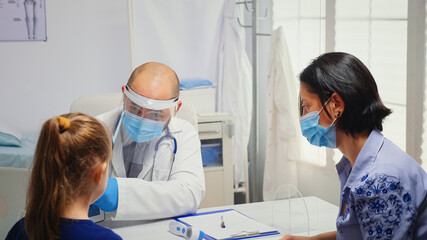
[{"x": 156, "y": 170}]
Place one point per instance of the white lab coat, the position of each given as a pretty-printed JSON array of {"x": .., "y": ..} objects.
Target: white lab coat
[
  {"x": 235, "y": 85},
  {"x": 283, "y": 129},
  {"x": 151, "y": 195}
]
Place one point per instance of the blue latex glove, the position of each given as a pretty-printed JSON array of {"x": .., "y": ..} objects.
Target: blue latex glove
[{"x": 109, "y": 200}]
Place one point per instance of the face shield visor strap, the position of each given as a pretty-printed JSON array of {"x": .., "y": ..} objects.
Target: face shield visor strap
[{"x": 149, "y": 103}]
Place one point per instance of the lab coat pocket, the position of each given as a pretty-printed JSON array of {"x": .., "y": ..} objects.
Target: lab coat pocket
[{"x": 163, "y": 164}]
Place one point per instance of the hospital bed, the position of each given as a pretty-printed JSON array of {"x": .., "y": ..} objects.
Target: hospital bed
[{"x": 19, "y": 156}]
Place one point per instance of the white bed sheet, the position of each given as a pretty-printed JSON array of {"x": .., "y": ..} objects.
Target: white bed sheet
[{"x": 19, "y": 157}]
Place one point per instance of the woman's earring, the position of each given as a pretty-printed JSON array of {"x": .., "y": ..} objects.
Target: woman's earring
[{"x": 339, "y": 114}]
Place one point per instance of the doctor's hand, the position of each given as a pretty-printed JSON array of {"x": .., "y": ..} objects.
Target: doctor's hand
[{"x": 109, "y": 200}]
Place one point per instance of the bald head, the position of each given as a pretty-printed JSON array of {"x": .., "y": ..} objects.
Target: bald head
[{"x": 155, "y": 80}]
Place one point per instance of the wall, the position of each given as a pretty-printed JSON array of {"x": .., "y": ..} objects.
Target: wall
[{"x": 87, "y": 52}]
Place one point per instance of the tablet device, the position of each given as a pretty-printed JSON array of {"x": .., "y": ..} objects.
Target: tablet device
[{"x": 96, "y": 214}]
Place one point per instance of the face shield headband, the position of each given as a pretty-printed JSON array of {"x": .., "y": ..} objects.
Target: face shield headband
[
  {"x": 144, "y": 118},
  {"x": 149, "y": 103}
]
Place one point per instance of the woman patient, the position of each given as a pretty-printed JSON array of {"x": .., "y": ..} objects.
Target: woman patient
[
  {"x": 383, "y": 189},
  {"x": 69, "y": 173}
]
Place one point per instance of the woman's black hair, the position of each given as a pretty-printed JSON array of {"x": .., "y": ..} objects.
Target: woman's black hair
[{"x": 346, "y": 75}]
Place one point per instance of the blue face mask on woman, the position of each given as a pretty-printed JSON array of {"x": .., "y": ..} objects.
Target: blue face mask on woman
[
  {"x": 316, "y": 134},
  {"x": 142, "y": 129}
]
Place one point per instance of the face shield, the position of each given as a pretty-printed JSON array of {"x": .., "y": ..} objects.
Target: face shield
[
  {"x": 153, "y": 109},
  {"x": 144, "y": 118}
]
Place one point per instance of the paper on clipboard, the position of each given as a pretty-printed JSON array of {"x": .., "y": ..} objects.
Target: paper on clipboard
[{"x": 237, "y": 225}]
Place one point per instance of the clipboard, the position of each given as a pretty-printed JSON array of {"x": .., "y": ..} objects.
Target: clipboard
[{"x": 236, "y": 225}]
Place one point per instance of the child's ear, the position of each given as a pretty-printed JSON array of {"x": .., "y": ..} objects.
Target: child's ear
[{"x": 99, "y": 171}]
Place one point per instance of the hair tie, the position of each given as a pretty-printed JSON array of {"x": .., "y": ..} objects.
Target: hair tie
[{"x": 64, "y": 123}]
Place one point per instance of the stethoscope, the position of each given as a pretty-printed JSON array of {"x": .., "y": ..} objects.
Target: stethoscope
[{"x": 165, "y": 137}]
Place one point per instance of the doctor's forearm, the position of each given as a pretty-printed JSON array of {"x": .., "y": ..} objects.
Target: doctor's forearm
[{"x": 142, "y": 200}]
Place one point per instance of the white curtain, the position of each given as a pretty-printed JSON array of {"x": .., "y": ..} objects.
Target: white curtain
[
  {"x": 283, "y": 129},
  {"x": 235, "y": 84}
]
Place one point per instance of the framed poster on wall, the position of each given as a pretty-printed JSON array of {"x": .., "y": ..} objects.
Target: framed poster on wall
[{"x": 23, "y": 20}]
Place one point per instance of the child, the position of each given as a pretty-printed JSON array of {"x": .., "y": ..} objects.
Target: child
[{"x": 69, "y": 173}]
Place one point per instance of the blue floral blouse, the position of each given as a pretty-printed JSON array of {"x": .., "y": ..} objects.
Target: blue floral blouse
[{"x": 382, "y": 194}]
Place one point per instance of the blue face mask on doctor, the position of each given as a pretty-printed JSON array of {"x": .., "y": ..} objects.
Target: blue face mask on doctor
[
  {"x": 142, "y": 129},
  {"x": 316, "y": 134}
]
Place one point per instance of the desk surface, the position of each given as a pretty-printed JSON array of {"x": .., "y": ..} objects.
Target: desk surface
[{"x": 288, "y": 216}]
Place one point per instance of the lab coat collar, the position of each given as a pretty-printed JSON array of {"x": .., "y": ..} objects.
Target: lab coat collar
[{"x": 174, "y": 127}]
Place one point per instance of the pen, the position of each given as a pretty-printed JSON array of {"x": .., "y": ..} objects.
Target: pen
[{"x": 222, "y": 222}]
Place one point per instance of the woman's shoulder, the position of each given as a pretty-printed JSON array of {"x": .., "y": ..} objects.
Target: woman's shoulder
[
  {"x": 85, "y": 229},
  {"x": 392, "y": 159},
  {"x": 394, "y": 170}
]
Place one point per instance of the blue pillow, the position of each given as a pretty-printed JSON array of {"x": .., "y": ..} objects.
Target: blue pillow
[
  {"x": 9, "y": 136},
  {"x": 190, "y": 83}
]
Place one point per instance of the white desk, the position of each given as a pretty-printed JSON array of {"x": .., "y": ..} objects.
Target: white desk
[{"x": 322, "y": 216}]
